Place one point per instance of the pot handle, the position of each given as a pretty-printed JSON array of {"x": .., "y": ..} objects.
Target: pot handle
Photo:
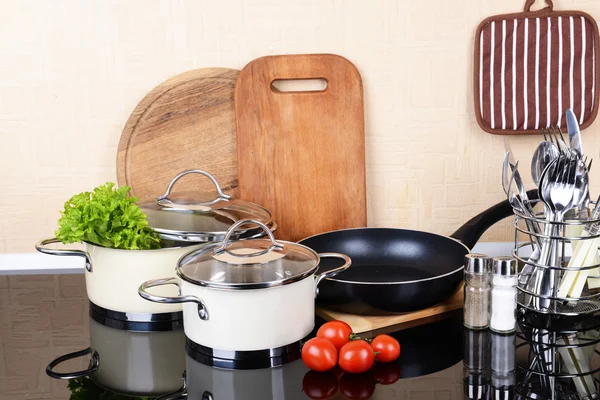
[
  {"x": 181, "y": 394},
  {"x": 331, "y": 272},
  {"x": 202, "y": 310},
  {"x": 472, "y": 230},
  {"x": 93, "y": 367},
  {"x": 164, "y": 199},
  {"x": 41, "y": 247}
]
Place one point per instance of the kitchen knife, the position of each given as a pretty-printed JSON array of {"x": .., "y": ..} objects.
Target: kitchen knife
[
  {"x": 517, "y": 176},
  {"x": 574, "y": 133}
]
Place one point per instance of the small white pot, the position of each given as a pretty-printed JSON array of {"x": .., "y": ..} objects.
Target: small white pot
[
  {"x": 240, "y": 300},
  {"x": 112, "y": 276}
]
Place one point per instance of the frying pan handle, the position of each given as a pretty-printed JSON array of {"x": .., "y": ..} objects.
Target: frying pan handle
[
  {"x": 471, "y": 231},
  {"x": 93, "y": 367}
]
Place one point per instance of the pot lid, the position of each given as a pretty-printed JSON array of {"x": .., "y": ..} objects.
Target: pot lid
[
  {"x": 202, "y": 218},
  {"x": 248, "y": 264}
]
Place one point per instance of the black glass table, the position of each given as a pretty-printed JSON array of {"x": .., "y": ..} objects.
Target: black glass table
[{"x": 44, "y": 317}]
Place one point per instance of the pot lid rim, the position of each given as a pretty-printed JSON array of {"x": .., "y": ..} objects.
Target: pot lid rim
[
  {"x": 184, "y": 235},
  {"x": 209, "y": 248}
]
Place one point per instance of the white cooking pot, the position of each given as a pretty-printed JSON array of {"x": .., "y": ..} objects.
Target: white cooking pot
[
  {"x": 247, "y": 295},
  {"x": 207, "y": 383},
  {"x": 112, "y": 276},
  {"x": 130, "y": 363}
]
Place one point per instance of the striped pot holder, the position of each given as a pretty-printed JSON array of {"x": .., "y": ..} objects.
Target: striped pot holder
[{"x": 530, "y": 67}]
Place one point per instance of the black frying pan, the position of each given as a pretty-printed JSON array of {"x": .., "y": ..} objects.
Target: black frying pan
[{"x": 399, "y": 270}]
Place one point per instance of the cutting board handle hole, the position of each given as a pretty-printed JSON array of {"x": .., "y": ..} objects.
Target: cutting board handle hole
[{"x": 298, "y": 85}]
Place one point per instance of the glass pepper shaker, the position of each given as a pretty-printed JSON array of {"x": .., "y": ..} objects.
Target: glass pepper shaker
[
  {"x": 476, "y": 363},
  {"x": 477, "y": 291},
  {"x": 504, "y": 295}
]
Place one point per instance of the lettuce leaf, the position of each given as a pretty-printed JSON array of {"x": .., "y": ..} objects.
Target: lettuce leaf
[
  {"x": 107, "y": 217},
  {"x": 85, "y": 389}
]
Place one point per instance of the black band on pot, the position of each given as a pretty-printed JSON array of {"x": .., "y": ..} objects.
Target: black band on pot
[
  {"x": 231, "y": 359},
  {"x": 138, "y": 322}
]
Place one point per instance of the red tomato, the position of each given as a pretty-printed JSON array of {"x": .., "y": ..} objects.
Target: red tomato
[
  {"x": 319, "y": 354},
  {"x": 386, "y": 373},
  {"x": 319, "y": 385},
  {"x": 344, "y": 323},
  {"x": 337, "y": 332},
  {"x": 387, "y": 347},
  {"x": 357, "y": 387},
  {"x": 356, "y": 357}
]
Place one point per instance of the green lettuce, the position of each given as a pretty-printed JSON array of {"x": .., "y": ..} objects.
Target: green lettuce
[
  {"x": 85, "y": 389},
  {"x": 107, "y": 217}
]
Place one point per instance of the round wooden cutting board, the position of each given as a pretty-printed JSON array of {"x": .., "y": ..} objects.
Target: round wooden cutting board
[{"x": 186, "y": 122}]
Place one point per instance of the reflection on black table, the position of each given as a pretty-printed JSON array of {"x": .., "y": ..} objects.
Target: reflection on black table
[
  {"x": 547, "y": 358},
  {"x": 147, "y": 364}
]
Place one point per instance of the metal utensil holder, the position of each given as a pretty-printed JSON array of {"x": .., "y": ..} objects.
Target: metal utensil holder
[
  {"x": 563, "y": 240},
  {"x": 555, "y": 362}
]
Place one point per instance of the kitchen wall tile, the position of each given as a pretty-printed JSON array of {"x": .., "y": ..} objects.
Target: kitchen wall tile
[
  {"x": 33, "y": 318},
  {"x": 69, "y": 315},
  {"x": 71, "y": 72},
  {"x": 38, "y": 324},
  {"x": 31, "y": 281}
]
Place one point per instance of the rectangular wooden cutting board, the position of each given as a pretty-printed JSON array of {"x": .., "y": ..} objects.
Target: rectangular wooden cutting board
[
  {"x": 367, "y": 323},
  {"x": 302, "y": 154}
]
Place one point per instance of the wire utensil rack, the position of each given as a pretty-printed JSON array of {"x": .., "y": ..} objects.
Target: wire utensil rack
[
  {"x": 559, "y": 273},
  {"x": 557, "y": 363}
]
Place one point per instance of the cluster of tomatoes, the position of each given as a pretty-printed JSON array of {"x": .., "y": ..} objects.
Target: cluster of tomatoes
[{"x": 349, "y": 362}]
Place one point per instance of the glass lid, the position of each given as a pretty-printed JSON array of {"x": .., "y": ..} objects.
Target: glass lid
[
  {"x": 248, "y": 264},
  {"x": 202, "y": 218}
]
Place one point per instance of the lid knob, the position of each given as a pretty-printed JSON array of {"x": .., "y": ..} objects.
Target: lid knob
[
  {"x": 274, "y": 244},
  {"x": 164, "y": 199},
  {"x": 477, "y": 264}
]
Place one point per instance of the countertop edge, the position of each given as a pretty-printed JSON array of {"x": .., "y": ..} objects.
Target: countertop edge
[{"x": 44, "y": 264}]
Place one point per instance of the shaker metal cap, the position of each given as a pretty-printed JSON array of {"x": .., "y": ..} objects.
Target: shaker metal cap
[
  {"x": 504, "y": 266},
  {"x": 477, "y": 263}
]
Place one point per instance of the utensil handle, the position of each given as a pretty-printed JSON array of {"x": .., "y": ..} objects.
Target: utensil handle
[
  {"x": 164, "y": 199},
  {"x": 93, "y": 367},
  {"x": 223, "y": 247},
  {"x": 143, "y": 292},
  {"x": 529, "y": 3},
  {"x": 331, "y": 272},
  {"x": 41, "y": 247},
  {"x": 546, "y": 278}
]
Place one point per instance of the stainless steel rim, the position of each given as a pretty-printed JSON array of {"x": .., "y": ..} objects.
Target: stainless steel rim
[{"x": 247, "y": 286}]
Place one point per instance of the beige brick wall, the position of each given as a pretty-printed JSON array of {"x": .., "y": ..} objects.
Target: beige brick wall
[{"x": 72, "y": 71}]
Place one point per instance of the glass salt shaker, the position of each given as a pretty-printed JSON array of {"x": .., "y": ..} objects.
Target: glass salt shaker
[
  {"x": 477, "y": 291},
  {"x": 503, "y": 365},
  {"x": 504, "y": 295}
]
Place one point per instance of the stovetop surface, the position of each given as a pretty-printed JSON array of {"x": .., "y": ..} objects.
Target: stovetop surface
[{"x": 44, "y": 317}]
